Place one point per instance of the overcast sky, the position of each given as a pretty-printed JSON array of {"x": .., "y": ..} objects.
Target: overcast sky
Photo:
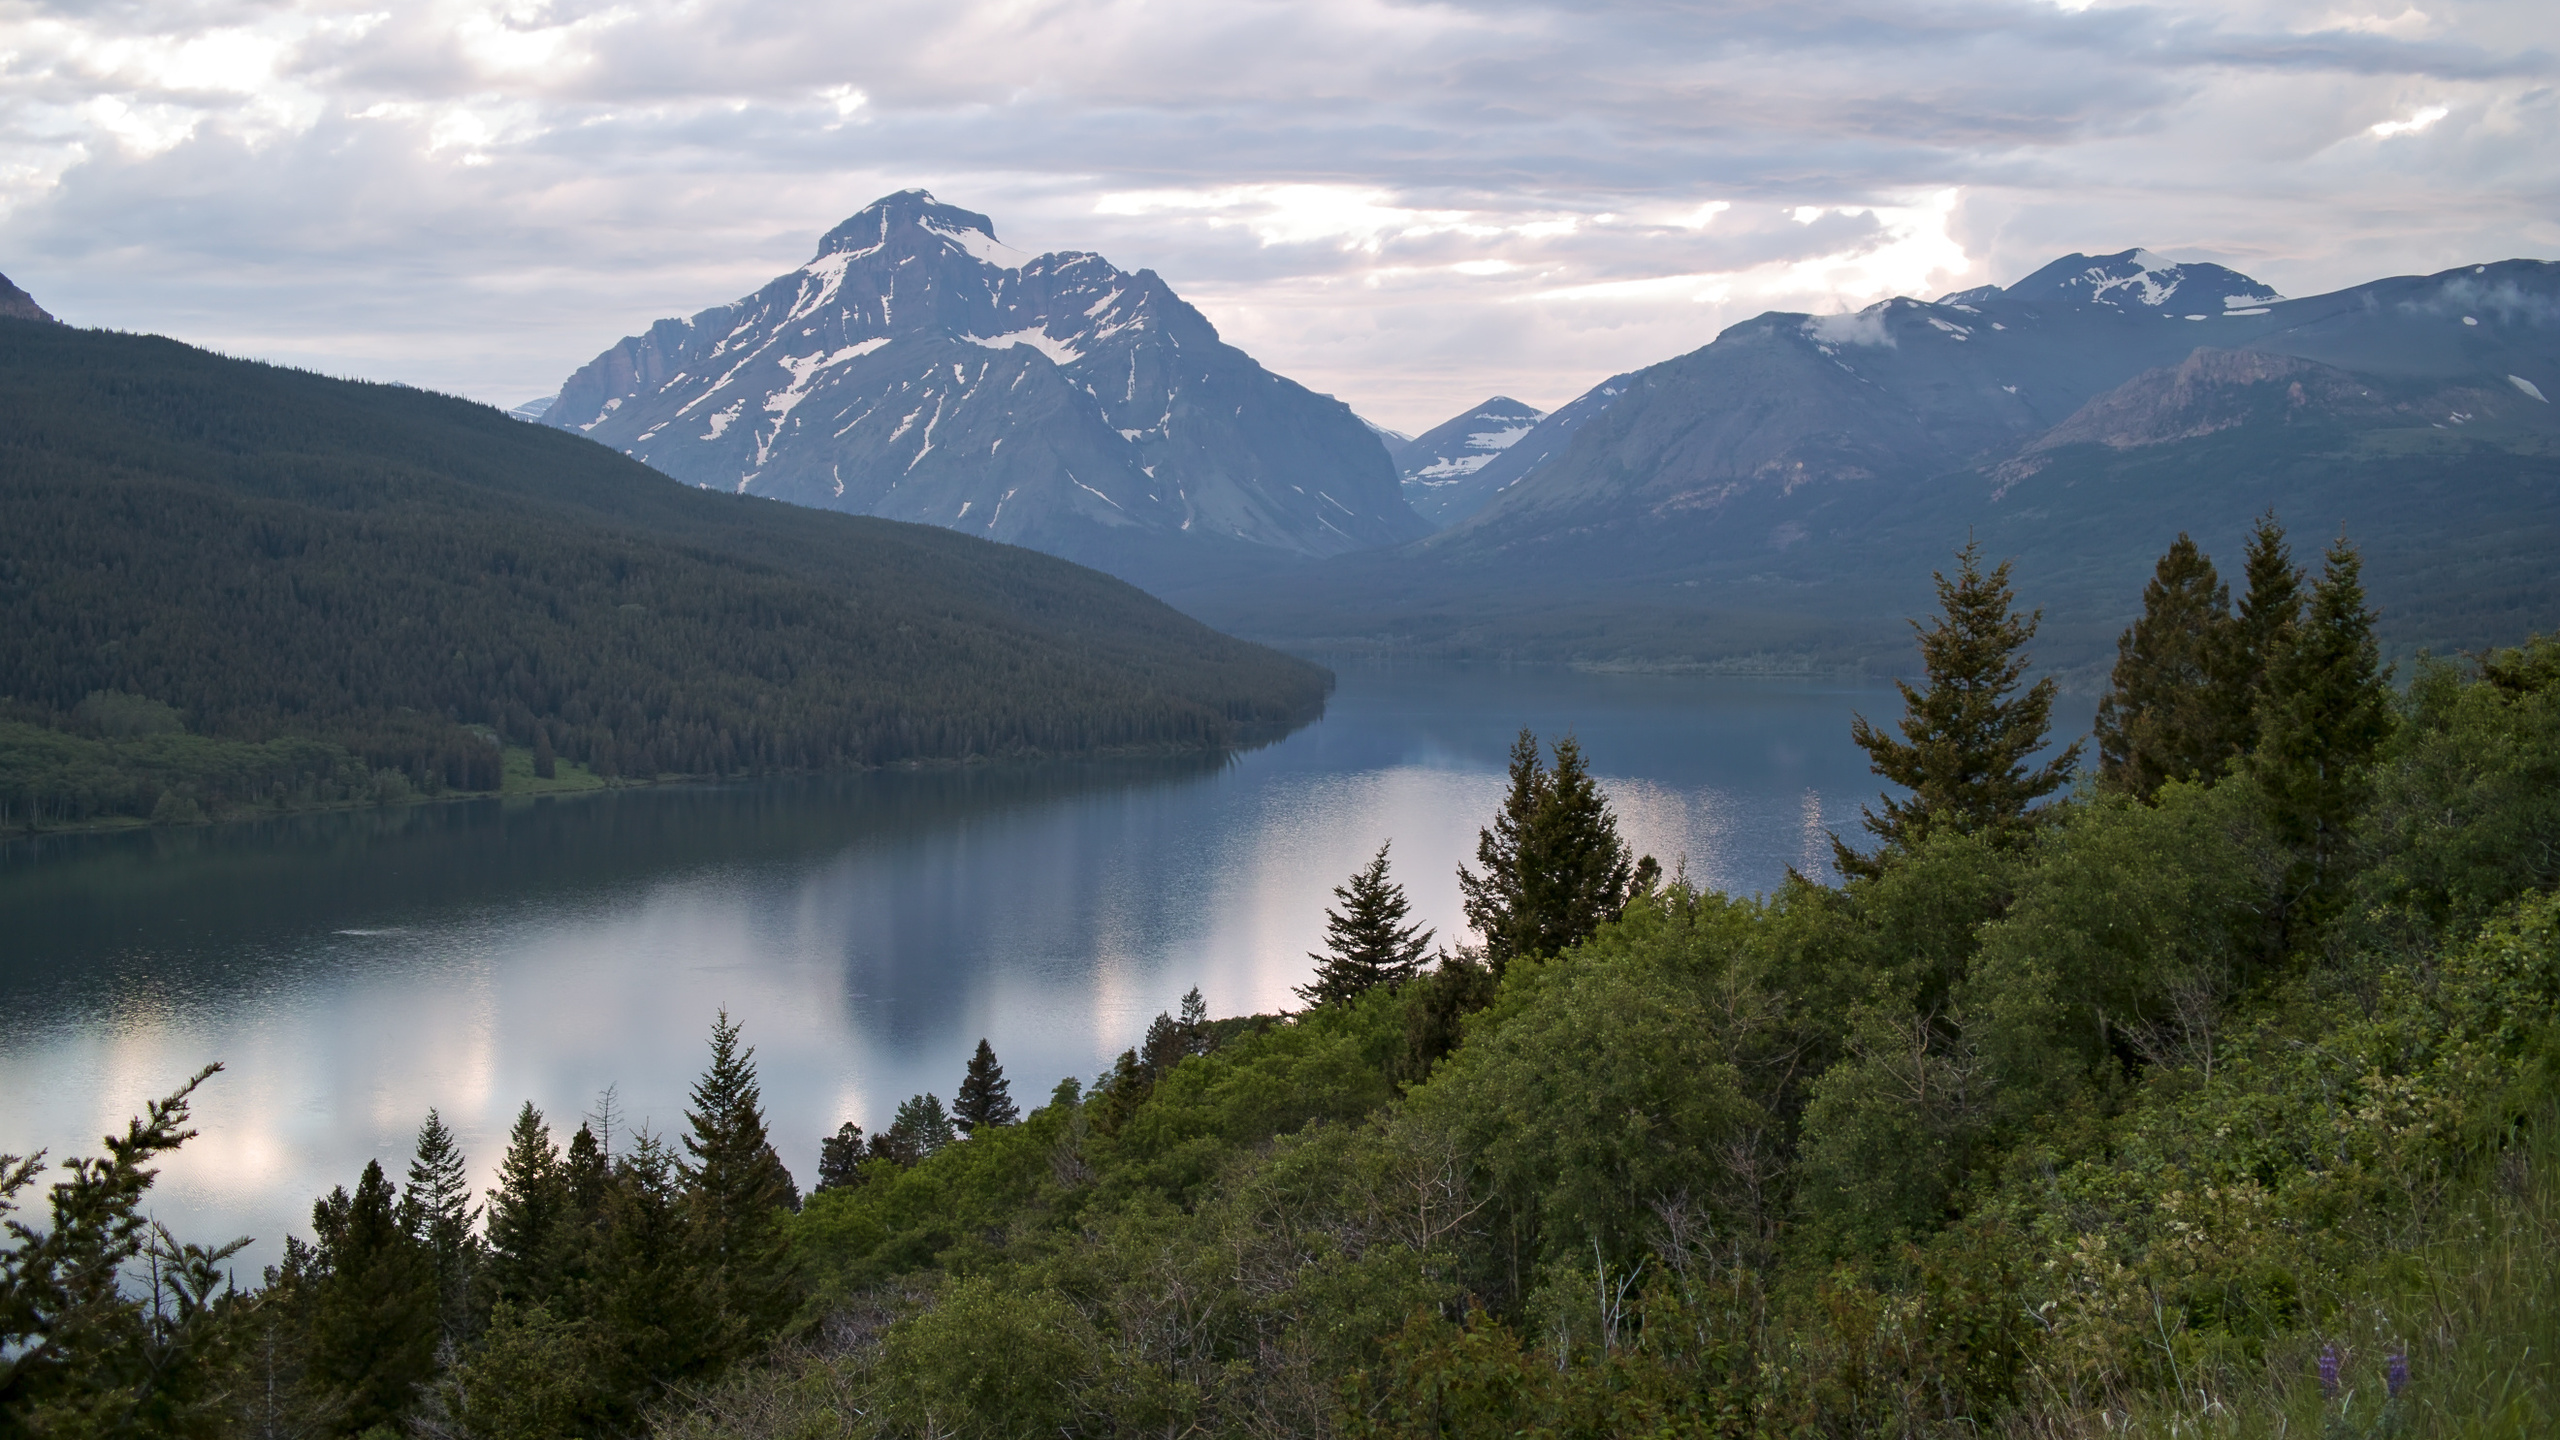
[{"x": 1410, "y": 206}]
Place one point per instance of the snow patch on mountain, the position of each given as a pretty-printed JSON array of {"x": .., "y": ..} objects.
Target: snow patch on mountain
[
  {"x": 1061, "y": 353},
  {"x": 979, "y": 245}
]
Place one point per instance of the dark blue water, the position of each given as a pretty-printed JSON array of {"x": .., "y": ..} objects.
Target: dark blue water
[{"x": 352, "y": 970}]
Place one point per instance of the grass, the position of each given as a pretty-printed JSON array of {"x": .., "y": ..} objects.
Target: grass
[
  {"x": 517, "y": 777},
  {"x": 2475, "y": 1307}
]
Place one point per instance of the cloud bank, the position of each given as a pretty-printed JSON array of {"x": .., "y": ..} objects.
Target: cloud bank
[{"x": 1409, "y": 205}]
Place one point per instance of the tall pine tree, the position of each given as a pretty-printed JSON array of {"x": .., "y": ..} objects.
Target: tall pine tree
[
  {"x": 1367, "y": 942},
  {"x": 2324, "y": 713},
  {"x": 374, "y": 1307},
  {"x": 736, "y": 1191},
  {"x": 1555, "y": 868},
  {"x": 436, "y": 1210},
  {"x": 528, "y": 1210},
  {"x": 1967, "y": 738},
  {"x": 984, "y": 1101},
  {"x": 2164, "y": 717},
  {"x": 2260, "y": 628}
]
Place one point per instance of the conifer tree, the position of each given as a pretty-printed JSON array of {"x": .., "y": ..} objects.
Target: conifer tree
[
  {"x": 1966, "y": 739},
  {"x": 1555, "y": 868},
  {"x": 2259, "y": 629},
  {"x": 436, "y": 1211},
  {"x": 984, "y": 1101},
  {"x": 1367, "y": 942},
  {"x": 2163, "y": 717},
  {"x": 920, "y": 1128},
  {"x": 73, "y": 1342},
  {"x": 840, "y": 1158},
  {"x": 584, "y": 1175},
  {"x": 374, "y": 1308},
  {"x": 527, "y": 1209},
  {"x": 736, "y": 1190},
  {"x": 2324, "y": 713},
  {"x": 665, "y": 1317}
]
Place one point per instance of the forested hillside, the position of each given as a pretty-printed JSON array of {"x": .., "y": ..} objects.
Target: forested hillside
[
  {"x": 2209, "y": 1089},
  {"x": 371, "y": 582}
]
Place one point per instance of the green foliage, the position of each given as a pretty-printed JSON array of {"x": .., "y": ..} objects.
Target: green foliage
[
  {"x": 1967, "y": 738},
  {"x": 2322, "y": 718},
  {"x": 984, "y": 1101},
  {"x": 2167, "y": 714},
  {"x": 2262, "y": 624},
  {"x": 400, "y": 578},
  {"x": 987, "y": 1362},
  {"x": 52, "y": 777},
  {"x": 2021, "y": 1133},
  {"x": 533, "y": 1377},
  {"x": 1555, "y": 868},
  {"x": 736, "y": 1193},
  {"x": 2466, "y": 811},
  {"x": 78, "y": 1355},
  {"x": 437, "y": 1213},
  {"x": 1367, "y": 942},
  {"x": 528, "y": 1215},
  {"x": 373, "y": 1306}
]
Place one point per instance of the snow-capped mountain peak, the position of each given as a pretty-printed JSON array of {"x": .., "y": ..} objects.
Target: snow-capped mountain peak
[
  {"x": 917, "y": 367},
  {"x": 2138, "y": 279}
]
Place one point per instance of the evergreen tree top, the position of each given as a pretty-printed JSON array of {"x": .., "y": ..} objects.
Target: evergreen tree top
[
  {"x": 1367, "y": 942},
  {"x": 1966, "y": 738}
]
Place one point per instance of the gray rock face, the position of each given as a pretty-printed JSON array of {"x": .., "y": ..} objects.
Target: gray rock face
[
  {"x": 1442, "y": 465},
  {"x": 17, "y": 304},
  {"x": 1788, "y": 426},
  {"x": 917, "y": 368},
  {"x": 1786, "y": 490}
]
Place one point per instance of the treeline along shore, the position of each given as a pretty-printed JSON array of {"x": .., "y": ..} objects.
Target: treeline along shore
[
  {"x": 2203, "y": 1085},
  {"x": 229, "y": 586}
]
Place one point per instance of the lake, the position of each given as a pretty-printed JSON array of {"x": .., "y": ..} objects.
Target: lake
[{"x": 352, "y": 969}]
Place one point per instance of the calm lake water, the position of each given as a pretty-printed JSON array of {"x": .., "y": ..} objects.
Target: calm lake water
[{"x": 351, "y": 970}]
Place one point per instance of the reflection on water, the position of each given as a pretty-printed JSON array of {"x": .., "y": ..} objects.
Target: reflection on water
[{"x": 351, "y": 970}]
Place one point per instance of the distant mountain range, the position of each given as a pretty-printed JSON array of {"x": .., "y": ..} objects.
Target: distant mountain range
[
  {"x": 919, "y": 369},
  {"x": 1779, "y": 496},
  {"x": 1443, "y": 468}
]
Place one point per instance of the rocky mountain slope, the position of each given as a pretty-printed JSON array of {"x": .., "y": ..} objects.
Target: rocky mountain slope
[
  {"x": 1441, "y": 466},
  {"x": 917, "y": 368},
  {"x": 1785, "y": 489},
  {"x": 17, "y": 304}
]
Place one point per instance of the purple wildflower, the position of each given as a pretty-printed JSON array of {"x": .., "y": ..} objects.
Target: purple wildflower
[
  {"x": 2398, "y": 1376},
  {"x": 2329, "y": 1371}
]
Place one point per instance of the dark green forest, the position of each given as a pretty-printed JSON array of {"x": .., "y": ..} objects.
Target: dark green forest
[
  {"x": 2204, "y": 1084},
  {"x": 226, "y": 584}
]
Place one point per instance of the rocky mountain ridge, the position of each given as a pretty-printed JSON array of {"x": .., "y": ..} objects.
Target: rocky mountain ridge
[
  {"x": 919, "y": 369},
  {"x": 1784, "y": 489}
]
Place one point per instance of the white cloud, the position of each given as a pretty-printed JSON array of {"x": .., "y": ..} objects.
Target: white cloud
[
  {"x": 481, "y": 194},
  {"x": 2416, "y": 123}
]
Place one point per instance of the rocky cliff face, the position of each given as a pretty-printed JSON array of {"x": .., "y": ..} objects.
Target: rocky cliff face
[
  {"x": 917, "y": 368},
  {"x": 17, "y": 304}
]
